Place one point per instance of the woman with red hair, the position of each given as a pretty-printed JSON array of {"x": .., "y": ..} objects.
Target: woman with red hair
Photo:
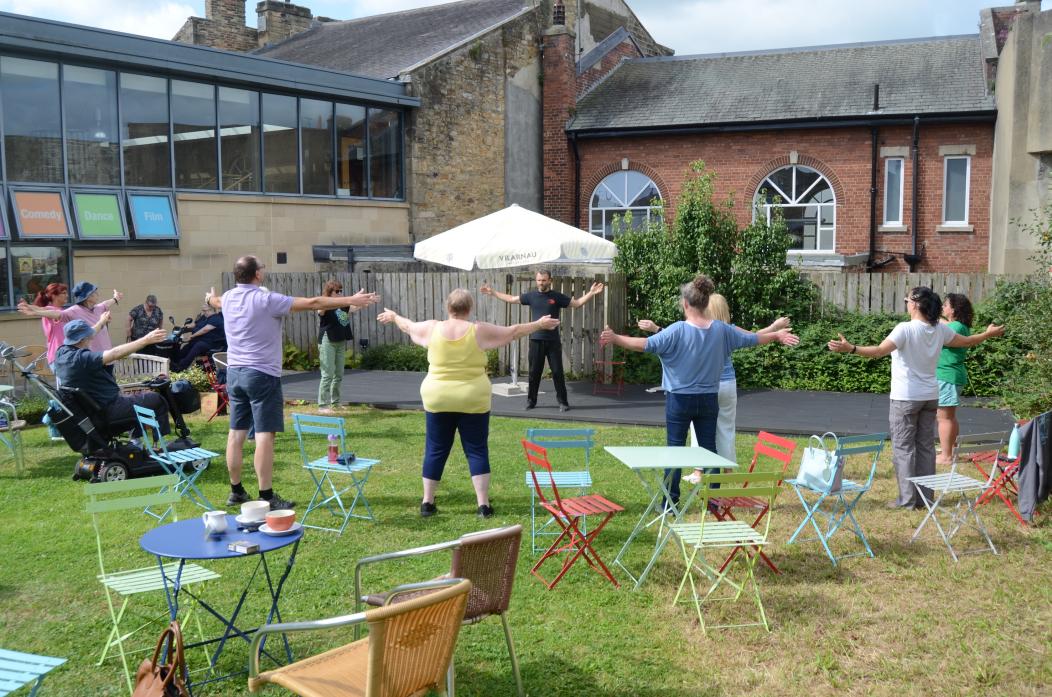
[{"x": 54, "y": 297}]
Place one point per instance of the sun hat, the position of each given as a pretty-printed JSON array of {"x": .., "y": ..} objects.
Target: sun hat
[
  {"x": 82, "y": 290},
  {"x": 77, "y": 331}
]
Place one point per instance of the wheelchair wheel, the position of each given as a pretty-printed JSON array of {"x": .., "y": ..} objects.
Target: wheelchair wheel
[{"x": 113, "y": 471}]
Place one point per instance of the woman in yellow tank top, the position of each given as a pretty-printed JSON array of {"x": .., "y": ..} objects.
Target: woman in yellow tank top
[{"x": 456, "y": 391}]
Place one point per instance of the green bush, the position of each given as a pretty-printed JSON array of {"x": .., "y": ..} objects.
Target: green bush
[
  {"x": 31, "y": 408},
  {"x": 395, "y": 357},
  {"x": 195, "y": 376},
  {"x": 293, "y": 358}
]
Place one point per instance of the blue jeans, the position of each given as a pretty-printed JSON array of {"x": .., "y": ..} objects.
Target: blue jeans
[
  {"x": 441, "y": 427},
  {"x": 681, "y": 412}
]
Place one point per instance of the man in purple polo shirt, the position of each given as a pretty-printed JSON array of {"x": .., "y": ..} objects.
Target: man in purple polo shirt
[{"x": 253, "y": 379}]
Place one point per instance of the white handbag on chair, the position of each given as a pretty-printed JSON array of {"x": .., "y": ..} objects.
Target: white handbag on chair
[{"x": 820, "y": 469}]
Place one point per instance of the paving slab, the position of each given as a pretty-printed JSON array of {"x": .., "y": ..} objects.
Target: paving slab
[{"x": 777, "y": 411}]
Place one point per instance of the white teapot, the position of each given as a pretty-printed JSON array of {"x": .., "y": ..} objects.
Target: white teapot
[{"x": 215, "y": 522}]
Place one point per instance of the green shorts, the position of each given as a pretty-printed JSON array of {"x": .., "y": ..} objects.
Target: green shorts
[{"x": 949, "y": 394}]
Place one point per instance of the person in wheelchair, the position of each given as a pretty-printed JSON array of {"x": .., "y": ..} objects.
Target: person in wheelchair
[
  {"x": 78, "y": 367},
  {"x": 208, "y": 337}
]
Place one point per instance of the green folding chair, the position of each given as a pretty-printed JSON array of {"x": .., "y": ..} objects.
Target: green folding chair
[
  {"x": 18, "y": 669},
  {"x": 574, "y": 481},
  {"x": 697, "y": 540},
  {"x": 121, "y": 586},
  {"x": 835, "y": 507}
]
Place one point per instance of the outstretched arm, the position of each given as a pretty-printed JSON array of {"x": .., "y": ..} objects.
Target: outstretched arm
[
  {"x": 487, "y": 289},
  {"x": 333, "y": 302},
  {"x": 632, "y": 343},
  {"x": 419, "y": 332},
  {"x": 117, "y": 352},
  {"x": 491, "y": 336},
  {"x": 595, "y": 290},
  {"x": 782, "y": 336},
  {"x": 37, "y": 311},
  {"x": 992, "y": 330},
  {"x": 780, "y": 323},
  {"x": 842, "y": 345}
]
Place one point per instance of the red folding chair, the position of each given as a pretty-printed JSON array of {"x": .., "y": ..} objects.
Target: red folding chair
[
  {"x": 208, "y": 364},
  {"x": 567, "y": 514},
  {"x": 770, "y": 446},
  {"x": 1003, "y": 486}
]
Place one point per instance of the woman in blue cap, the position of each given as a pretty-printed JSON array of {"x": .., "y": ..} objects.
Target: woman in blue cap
[{"x": 87, "y": 307}]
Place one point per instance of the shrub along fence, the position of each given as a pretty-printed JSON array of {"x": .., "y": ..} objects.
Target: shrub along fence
[
  {"x": 882, "y": 293},
  {"x": 421, "y": 296}
]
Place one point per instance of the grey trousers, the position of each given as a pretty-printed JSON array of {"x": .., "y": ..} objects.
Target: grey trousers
[{"x": 912, "y": 426}]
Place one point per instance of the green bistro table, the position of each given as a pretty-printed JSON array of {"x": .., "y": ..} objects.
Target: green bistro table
[{"x": 649, "y": 464}]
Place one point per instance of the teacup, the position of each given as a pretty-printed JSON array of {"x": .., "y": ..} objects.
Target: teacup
[
  {"x": 281, "y": 520},
  {"x": 255, "y": 510},
  {"x": 215, "y": 522}
]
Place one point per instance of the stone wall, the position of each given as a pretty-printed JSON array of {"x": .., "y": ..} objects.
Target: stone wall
[
  {"x": 280, "y": 20},
  {"x": 223, "y": 27},
  {"x": 215, "y": 229},
  {"x": 587, "y": 79},
  {"x": 456, "y": 139}
]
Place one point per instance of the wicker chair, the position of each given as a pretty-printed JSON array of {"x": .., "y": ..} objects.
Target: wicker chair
[
  {"x": 409, "y": 649},
  {"x": 487, "y": 559}
]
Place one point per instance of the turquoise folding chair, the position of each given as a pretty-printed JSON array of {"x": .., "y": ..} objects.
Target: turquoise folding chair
[
  {"x": 321, "y": 471},
  {"x": 175, "y": 461},
  {"x": 839, "y": 505},
  {"x": 552, "y": 439},
  {"x": 120, "y": 586},
  {"x": 18, "y": 669}
]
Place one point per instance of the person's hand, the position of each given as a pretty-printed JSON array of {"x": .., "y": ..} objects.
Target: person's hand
[
  {"x": 155, "y": 337},
  {"x": 105, "y": 318},
  {"x": 24, "y": 308},
  {"x": 787, "y": 338},
  {"x": 363, "y": 299},
  {"x": 117, "y": 295},
  {"x": 648, "y": 325},
  {"x": 840, "y": 345},
  {"x": 995, "y": 330},
  {"x": 597, "y": 288},
  {"x": 209, "y": 296},
  {"x": 607, "y": 337},
  {"x": 547, "y": 322},
  {"x": 780, "y": 323},
  {"x": 486, "y": 289},
  {"x": 387, "y": 316}
]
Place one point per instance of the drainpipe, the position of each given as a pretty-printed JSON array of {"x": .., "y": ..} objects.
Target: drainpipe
[
  {"x": 874, "y": 134},
  {"x": 914, "y": 258},
  {"x": 576, "y": 180}
]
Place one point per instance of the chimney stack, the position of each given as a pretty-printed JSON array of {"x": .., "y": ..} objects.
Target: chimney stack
[{"x": 559, "y": 14}]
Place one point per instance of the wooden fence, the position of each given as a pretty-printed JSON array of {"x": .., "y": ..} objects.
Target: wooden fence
[
  {"x": 883, "y": 292},
  {"x": 421, "y": 296}
]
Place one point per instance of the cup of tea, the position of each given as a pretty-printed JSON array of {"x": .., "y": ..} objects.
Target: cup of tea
[
  {"x": 281, "y": 520},
  {"x": 215, "y": 522},
  {"x": 255, "y": 511}
]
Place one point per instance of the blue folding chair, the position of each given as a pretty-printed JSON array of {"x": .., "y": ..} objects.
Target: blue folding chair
[
  {"x": 840, "y": 504},
  {"x": 553, "y": 439},
  {"x": 175, "y": 462},
  {"x": 18, "y": 669},
  {"x": 321, "y": 471}
]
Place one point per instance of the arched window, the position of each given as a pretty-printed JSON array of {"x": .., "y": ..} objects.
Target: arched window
[
  {"x": 808, "y": 205},
  {"x": 620, "y": 193}
]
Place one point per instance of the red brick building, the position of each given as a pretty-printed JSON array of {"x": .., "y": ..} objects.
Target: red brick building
[{"x": 879, "y": 155}]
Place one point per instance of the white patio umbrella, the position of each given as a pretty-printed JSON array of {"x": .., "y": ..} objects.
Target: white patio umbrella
[{"x": 510, "y": 238}]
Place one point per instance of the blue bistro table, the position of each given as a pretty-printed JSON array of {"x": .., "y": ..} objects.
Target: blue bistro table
[
  {"x": 185, "y": 540},
  {"x": 649, "y": 464}
]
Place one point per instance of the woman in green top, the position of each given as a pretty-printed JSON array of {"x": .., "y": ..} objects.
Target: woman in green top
[{"x": 951, "y": 373}]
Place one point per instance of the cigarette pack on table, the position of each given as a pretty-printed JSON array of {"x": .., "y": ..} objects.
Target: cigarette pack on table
[{"x": 243, "y": 546}]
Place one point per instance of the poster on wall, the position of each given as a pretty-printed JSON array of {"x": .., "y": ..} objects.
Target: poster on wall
[
  {"x": 99, "y": 216},
  {"x": 40, "y": 214},
  {"x": 153, "y": 216}
]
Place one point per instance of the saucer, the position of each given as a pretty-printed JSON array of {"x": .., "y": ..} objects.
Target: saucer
[
  {"x": 265, "y": 529},
  {"x": 249, "y": 524}
]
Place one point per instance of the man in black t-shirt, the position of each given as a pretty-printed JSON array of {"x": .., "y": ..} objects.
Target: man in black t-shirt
[{"x": 545, "y": 344}]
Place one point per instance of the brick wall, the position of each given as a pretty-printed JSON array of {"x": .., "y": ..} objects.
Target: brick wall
[
  {"x": 456, "y": 138},
  {"x": 560, "y": 82},
  {"x": 843, "y": 155},
  {"x": 625, "y": 49}
]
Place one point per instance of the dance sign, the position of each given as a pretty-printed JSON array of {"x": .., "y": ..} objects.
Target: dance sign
[{"x": 99, "y": 216}]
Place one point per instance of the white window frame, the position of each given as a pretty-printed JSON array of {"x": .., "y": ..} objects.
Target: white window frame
[
  {"x": 765, "y": 208},
  {"x": 901, "y": 192},
  {"x": 649, "y": 213},
  {"x": 967, "y": 187}
]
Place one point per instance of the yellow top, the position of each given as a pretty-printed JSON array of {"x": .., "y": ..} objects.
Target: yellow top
[{"x": 456, "y": 377}]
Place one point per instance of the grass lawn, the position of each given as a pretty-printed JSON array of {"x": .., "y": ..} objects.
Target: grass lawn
[{"x": 909, "y": 622}]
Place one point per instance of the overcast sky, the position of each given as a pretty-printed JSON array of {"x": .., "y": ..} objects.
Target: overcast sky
[{"x": 687, "y": 26}]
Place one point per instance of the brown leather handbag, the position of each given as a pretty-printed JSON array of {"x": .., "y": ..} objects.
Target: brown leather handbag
[{"x": 154, "y": 679}]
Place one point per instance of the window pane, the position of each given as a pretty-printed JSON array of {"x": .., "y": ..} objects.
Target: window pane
[
  {"x": 194, "y": 134},
  {"x": 956, "y": 190},
  {"x": 597, "y": 222},
  {"x": 647, "y": 195},
  {"x": 32, "y": 121},
  {"x": 239, "y": 132},
  {"x": 604, "y": 197},
  {"x": 89, "y": 97},
  {"x": 144, "y": 130},
  {"x": 5, "y": 299},
  {"x": 634, "y": 183},
  {"x": 828, "y": 212},
  {"x": 33, "y": 268},
  {"x": 280, "y": 147},
  {"x": 805, "y": 177},
  {"x": 385, "y": 153},
  {"x": 316, "y": 143},
  {"x": 783, "y": 179},
  {"x": 893, "y": 191},
  {"x": 350, "y": 150}
]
